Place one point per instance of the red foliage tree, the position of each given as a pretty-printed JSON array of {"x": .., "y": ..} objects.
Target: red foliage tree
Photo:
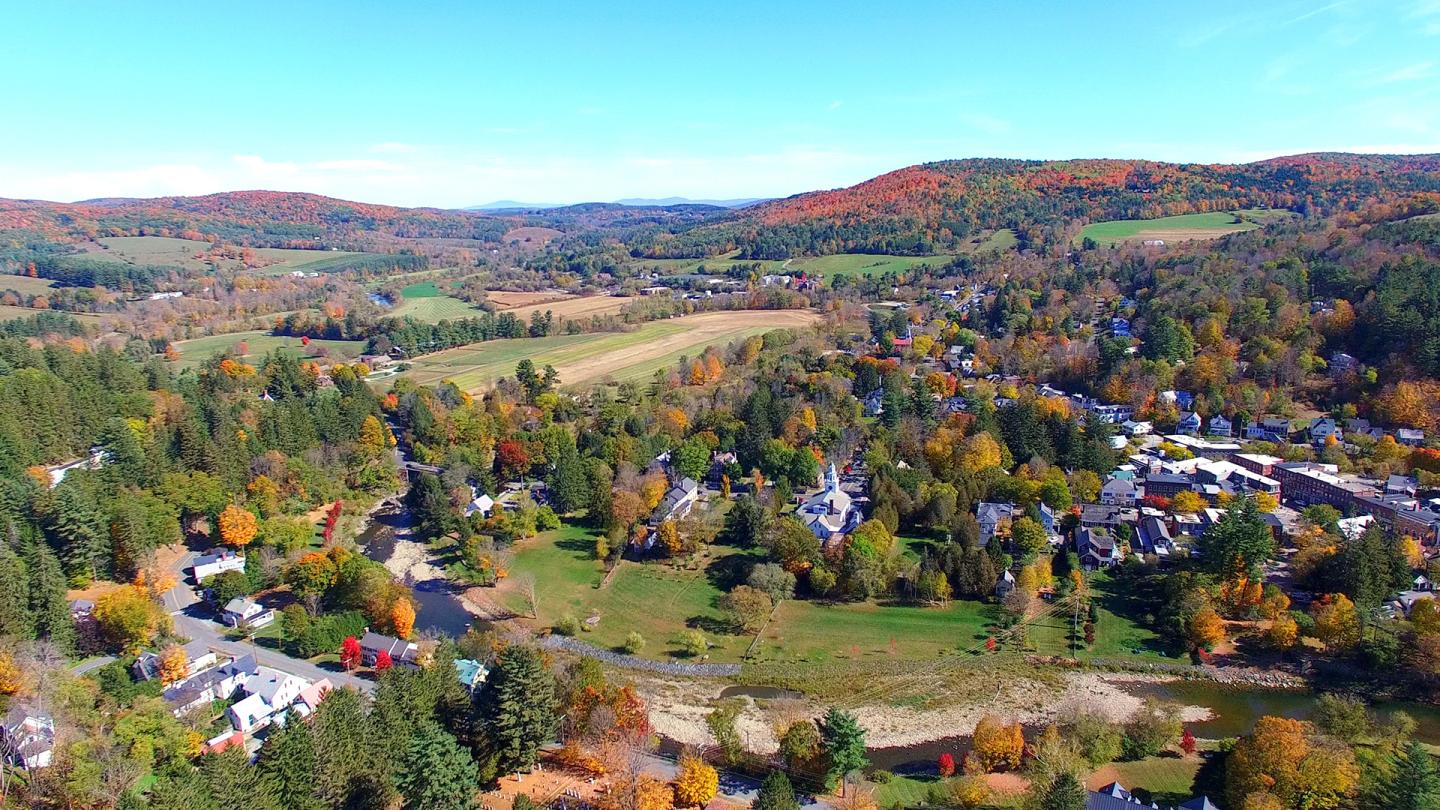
[
  {"x": 512, "y": 457},
  {"x": 350, "y": 653},
  {"x": 1187, "y": 742},
  {"x": 383, "y": 661},
  {"x": 947, "y": 765},
  {"x": 990, "y": 644}
]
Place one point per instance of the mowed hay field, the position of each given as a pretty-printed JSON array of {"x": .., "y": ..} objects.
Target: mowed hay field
[
  {"x": 9, "y": 313},
  {"x": 596, "y": 357},
  {"x": 258, "y": 344},
  {"x": 1183, "y": 227},
  {"x": 428, "y": 302},
  {"x": 165, "y": 250},
  {"x": 26, "y": 285}
]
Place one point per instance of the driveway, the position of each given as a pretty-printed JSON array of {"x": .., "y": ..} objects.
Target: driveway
[{"x": 192, "y": 621}]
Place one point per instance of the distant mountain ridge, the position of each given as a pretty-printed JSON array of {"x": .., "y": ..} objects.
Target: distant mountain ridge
[{"x": 633, "y": 202}]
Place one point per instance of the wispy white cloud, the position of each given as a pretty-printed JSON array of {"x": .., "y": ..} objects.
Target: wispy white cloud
[
  {"x": 1409, "y": 73},
  {"x": 836, "y": 104}
]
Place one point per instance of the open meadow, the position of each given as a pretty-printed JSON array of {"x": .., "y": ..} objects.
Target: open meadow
[
  {"x": 1183, "y": 227},
  {"x": 256, "y": 344},
  {"x": 9, "y": 313},
  {"x": 660, "y": 601},
  {"x": 26, "y": 285},
  {"x": 165, "y": 250},
  {"x": 599, "y": 356}
]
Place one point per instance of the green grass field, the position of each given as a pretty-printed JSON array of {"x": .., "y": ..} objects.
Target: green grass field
[
  {"x": 9, "y": 313},
  {"x": 26, "y": 285},
  {"x": 590, "y": 357},
  {"x": 258, "y": 344},
  {"x": 166, "y": 250},
  {"x": 1182, "y": 227},
  {"x": 660, "y": 601},
  {"x": 861, "y": 264},
  {"x": 425, "y": 301}
]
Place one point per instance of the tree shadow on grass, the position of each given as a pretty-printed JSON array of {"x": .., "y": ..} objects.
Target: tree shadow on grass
[
  {"x": 709, "y": 624},
  {"x": 579, "y": 545},
  {"x": 724, "y": 573}
]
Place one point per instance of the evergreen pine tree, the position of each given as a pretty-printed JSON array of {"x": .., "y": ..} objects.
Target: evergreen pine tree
[
  {"x": 288, "y": 761},
  {"x": 775, "y": 793},
  {"x": 80, "y": 528},
  {"x": 344, "y": 768},
  {"x": 843, "y": 743},
  {"x": 234, "y": 785},
  {"x": 518, "y": 708},
  {"x": 15, "y": 619},
  {"x": 1413, "y": 783},
  {"x": 436, "y": 773},
  {"x": 48, "y": 605},
  {"x": 1064, "y": 792}
]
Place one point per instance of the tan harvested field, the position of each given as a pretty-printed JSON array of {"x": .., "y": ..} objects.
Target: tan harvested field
[
  {"x": 534, "y": 236},
  {"x": 504, "y": 299},
  {"x": 700, "y": 331},
  {"x": 572, "y": 307},
  {"x": 599, "y": 356}
]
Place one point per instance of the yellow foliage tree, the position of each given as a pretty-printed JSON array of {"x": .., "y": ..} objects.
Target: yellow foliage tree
[
  {"x": 128, "y": 616},
  {"x": 997, "y": 744},
  {"x": 1206, "y": 628},
  {"x": 1266, "y": 502},
  {"x": 237, "y": 526},
  {"x": 1336, "y": 621},
  {"x": 696, "y": 783},
  {"x": 402, "y": 617},
  {"x": 1187, "y": 503},
  {"x": 11, "y": 676},
  {"x": 1283, "y": 632},
  {"x": 982, "y": 453},
  {"x": 1287, "y": 759},
  {"x": 174, "y": 664},
  {"x": 969, "y": 792},
  {"x": 668, "y": 535}
]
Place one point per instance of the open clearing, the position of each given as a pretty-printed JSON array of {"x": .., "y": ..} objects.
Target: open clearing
[
  {"x": 165, "y": 250},
  {"x": 9, "y": 313},
  {"x": 660, "y": 601},
  {"x": 600, "y": 356},
  {"x": 259, "y": 343},
  {"x": 26, "y": 285},
  {"x": 428, "y": 302},
  {"x": 1183, "y": 227},
  {"x": 860, "y": 264}
]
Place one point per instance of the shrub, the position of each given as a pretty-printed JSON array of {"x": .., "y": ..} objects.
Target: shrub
[
  {"x": 634, "y": 643},
  {"x": 546, "y": 519},
  {"x": 567, "y": 625},
  {"x": 693, "y": 643}
]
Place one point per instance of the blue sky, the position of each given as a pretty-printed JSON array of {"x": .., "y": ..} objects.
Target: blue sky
[{"x": 451, "y": 104}]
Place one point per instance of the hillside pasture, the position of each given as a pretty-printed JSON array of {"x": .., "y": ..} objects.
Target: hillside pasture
[
  {"x": 26, "y": 285},
  {"x": 596, "y": 357},
  {"x": 258, "y": 343},
  {"x": 861, "y": 264},
  {"x": 570, "y": 307},
  {"x": 1182, "y": 228},
  {"x": 9, "y": 313},
  {"x": 172, "y": 252}
]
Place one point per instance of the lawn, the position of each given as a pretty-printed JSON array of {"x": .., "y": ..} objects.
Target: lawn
[
  {"x": 1182, "y": 227},
  {"x": 657, "y": 600},
  {"x": 1165, "y": 779},
  {"x": 259, "y": 343},
  {"x": 815, "y": 632}
]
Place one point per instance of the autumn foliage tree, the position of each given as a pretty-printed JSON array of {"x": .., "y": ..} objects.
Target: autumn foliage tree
[
  {"x": 350, "y": 653},
  {"x": 402, "y": 617},
  {"x": 383, "y": 661},
  {"x": 237, "y": 526},
  {"x": 1290, "y": 761},
  {"x": 174, "y": 664},
  {"x": 998, "y": 745},
  {"x": 696, "y": 782}
]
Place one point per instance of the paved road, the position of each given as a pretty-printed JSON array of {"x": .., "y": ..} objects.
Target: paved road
[
  {"x": 92, "y": 664},
  {"x": 192, "y": 621},
  {"x": 212, "y": 633}
]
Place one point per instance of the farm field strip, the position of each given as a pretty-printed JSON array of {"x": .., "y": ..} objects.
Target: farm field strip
[
  {"x": 259, "y": 343},
  {"x": 589, "y": 357},
  {"x": 9, "y": 313},
  {"x": 1182, "y": 227}
]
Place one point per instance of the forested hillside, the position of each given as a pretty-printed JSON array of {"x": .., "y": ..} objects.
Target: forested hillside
[{"x": 934, "y": 207}]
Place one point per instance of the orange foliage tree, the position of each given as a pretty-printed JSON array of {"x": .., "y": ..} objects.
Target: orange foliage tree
[{"x": 237, "y": 526}]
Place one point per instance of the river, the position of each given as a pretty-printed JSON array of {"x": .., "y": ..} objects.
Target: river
[{"x": 437, "y": 609}]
